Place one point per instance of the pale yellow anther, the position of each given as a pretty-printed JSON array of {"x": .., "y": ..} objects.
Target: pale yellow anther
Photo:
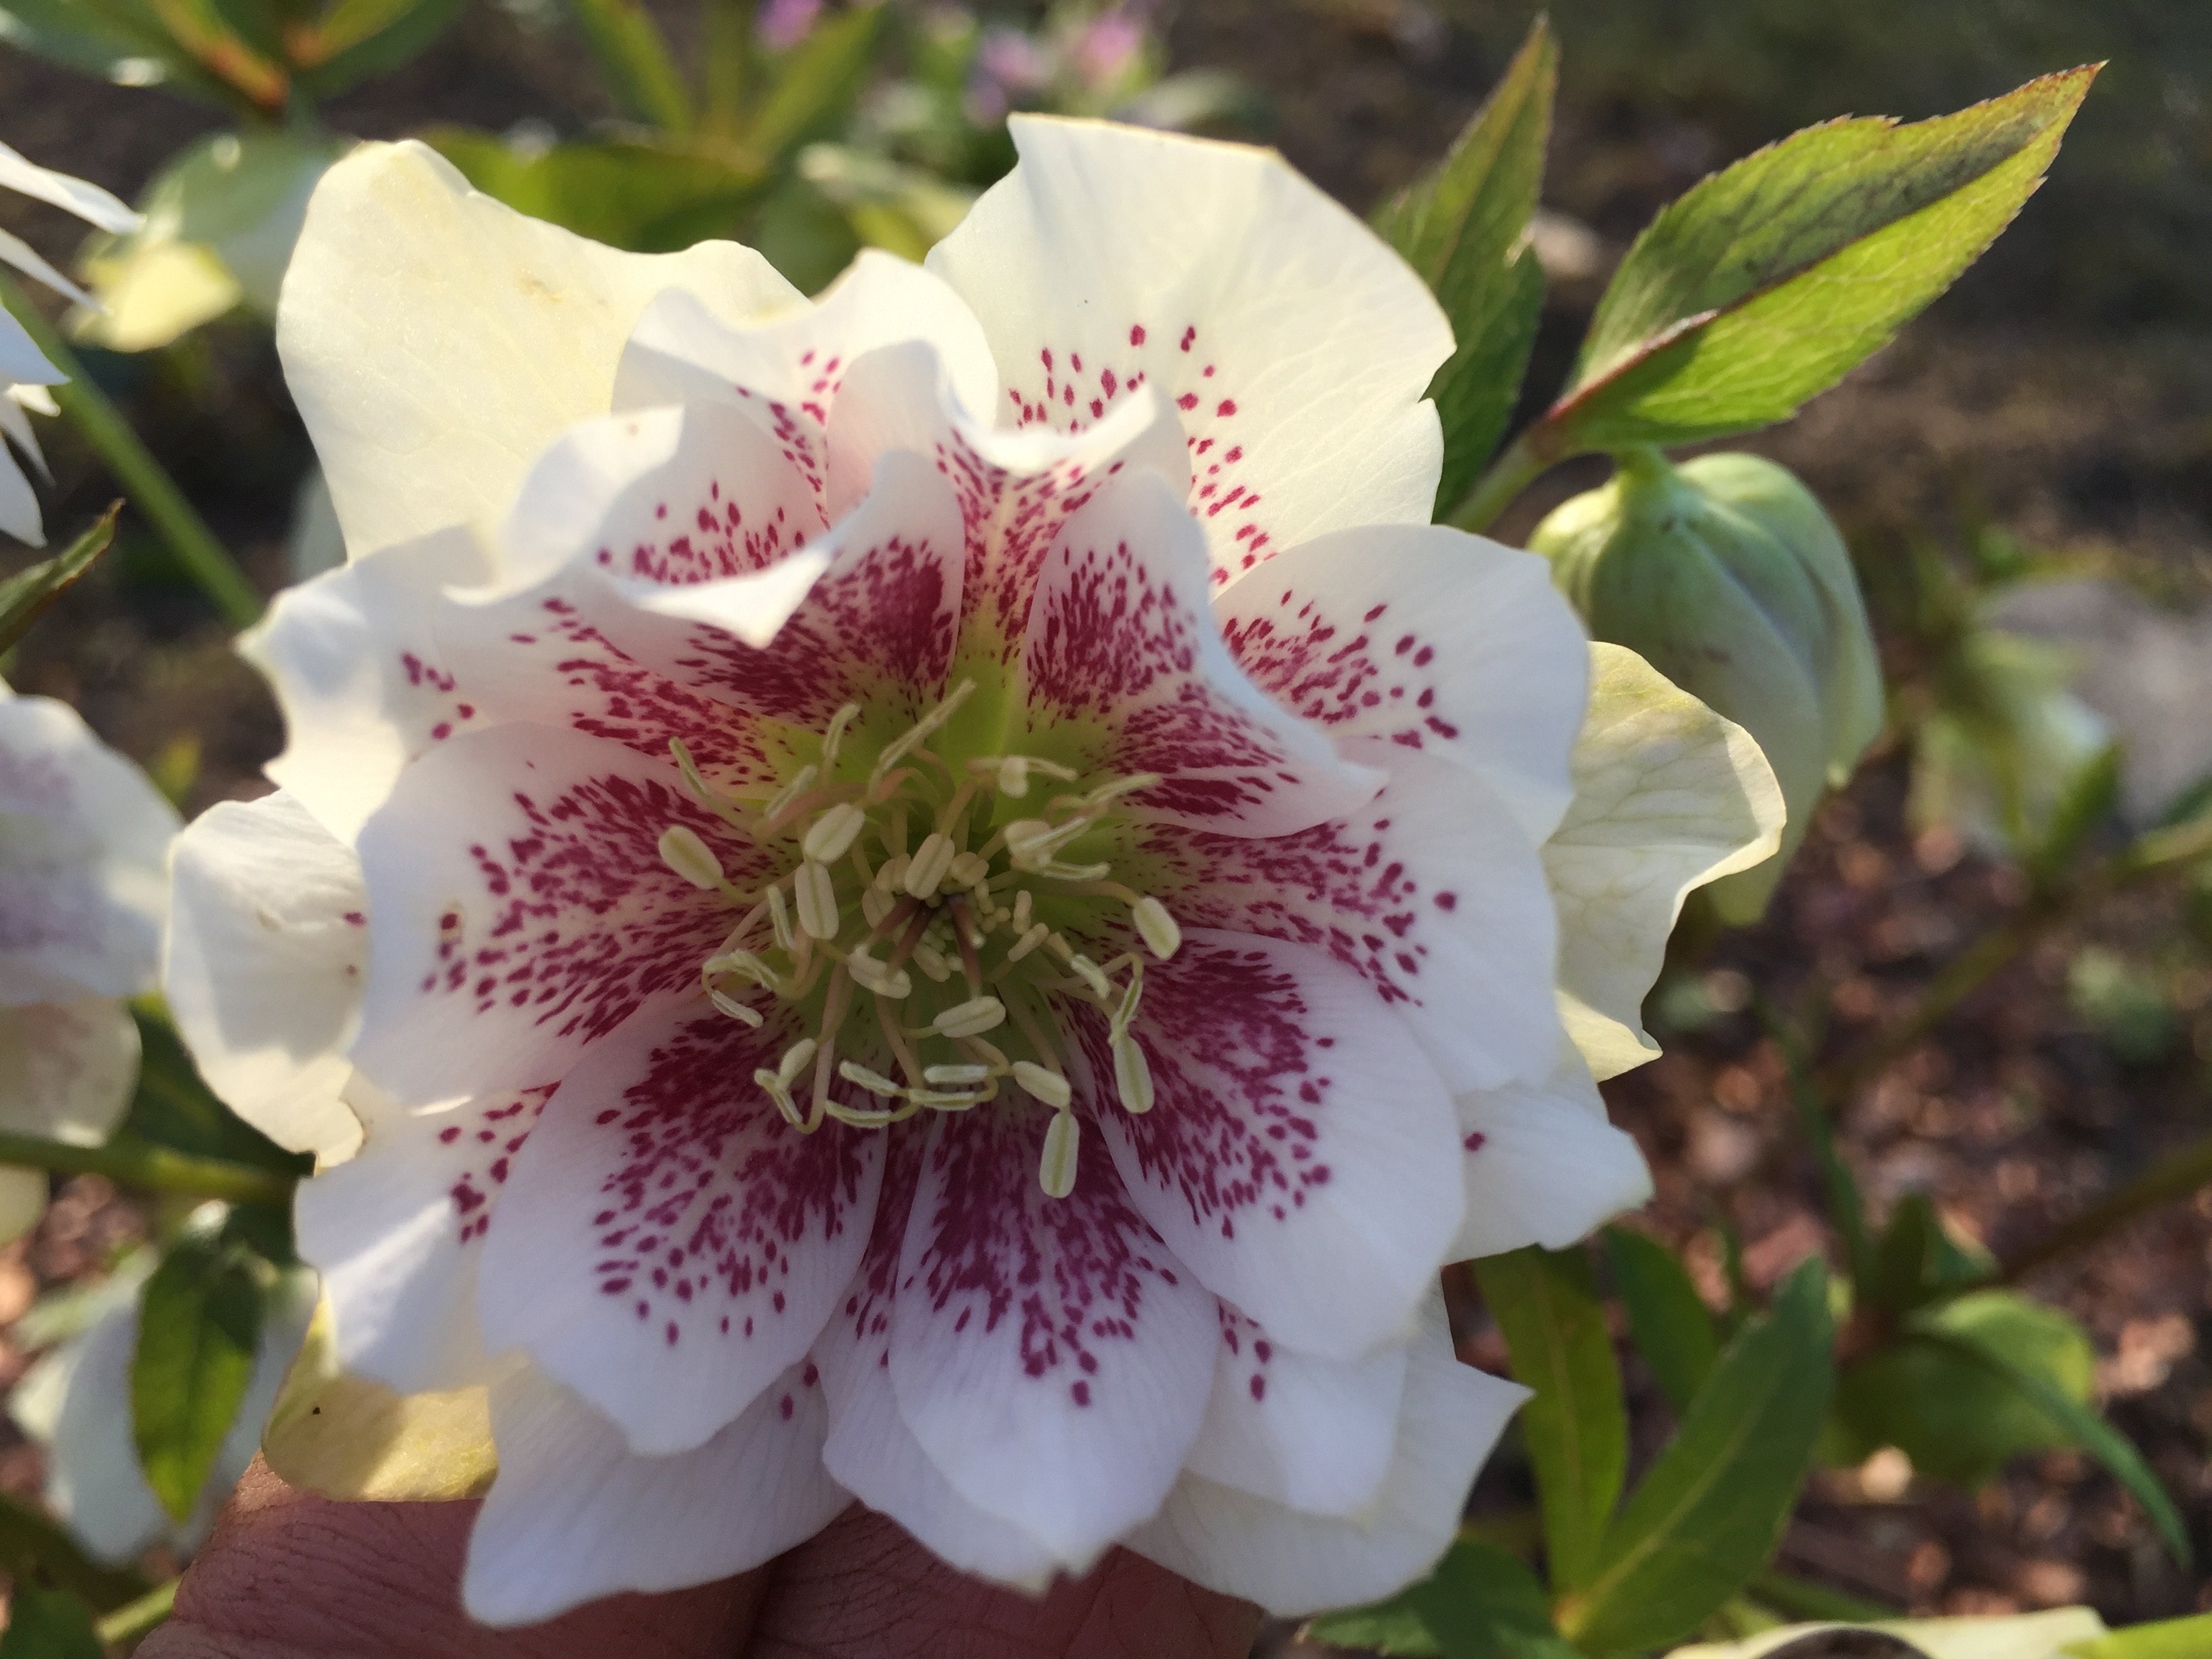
[
  {"x": 1029, "y": 941},
  {"x": 892, "y": 876},
  {"x": 835, "y": 734},
  {"x": 890, "y": 983},
  {"x": 947, "y": 1100},
  {"x": 954, "y": 1077},
  {"x": 1050, "y": 1087},
  {"x": 734, "y": 1009},
  {"x": 1056, "y": 1168},
  {"x": 780, "y": 1091},
  {"x": 1162, "y": 933},
  {"x": 874, "y": 1082},
  {"x": 932, "y": 962},
  {"x": 932, "y": 861},
  {"x": 919, "y": 732},
  {"x": 817, "y": 900},
  {"x": 967, "y": 870},
  {"x": 1021, "y": 905},
  {"x": 1119, "y": 787},
  {"x": 682, "y": 851},
  {"x": 862, "y": 1118},
  {"x": 1133, "y": 1074},
  {"x": 1091, "y": 974},
  {"x": 778, "y": 919},
  {"x": 830, "y": 835},
  {"x": 796, "y": 1059},
  {"x": 743, "y": 963},
  {"x": 801, "y": 781},
  {"x": 970, "y": 1018},
  {"x": 876, "y": 904},
  {"x": 1014, "y": 775}
]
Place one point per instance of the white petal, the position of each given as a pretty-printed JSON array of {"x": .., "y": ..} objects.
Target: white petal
[
  {"x": 436, "y": 341},
  {"x": 67, "y": 1068},
  {"x": 1299, "y": 1156},
  {"x": 21, "y": 361},
  {"x": 1050, "y": 1355},
  {"x": 19, "y": 503},
  {"x": 359, "y": 675},
  {"x": 1431, "y": 892},
  {"x": 1308, "y": 1433},
  {"x": 15, "y": 421},
  {"x": 267, "y": 943},
  {"x": 1668, "y": 796},
  {"x": 668, "y": 1243},
  {"x": 88, "y": 202},
  {"x": 1543, "y": 1166},
  {"x": 1299, "y": 345},
  {"x": 1291, "y": 1562},
  {"x": 575, "y": 1515},
  {"x": 396, "y": 1231},
  {"x": 870, "y": 1450},
  {"x": 1119, "y": 637},
  {"x": 1436, "y": 640},
  {"x": 523, "y": 910},
  {"x": 81, "y": 883}
]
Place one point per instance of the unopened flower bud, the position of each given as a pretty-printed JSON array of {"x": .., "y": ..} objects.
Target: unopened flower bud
[{"x": 1726, "y": 575}]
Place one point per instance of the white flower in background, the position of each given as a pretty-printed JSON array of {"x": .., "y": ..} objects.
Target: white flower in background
[
  {"x": 24, "y": 371},
  {"x": 83, "y": 839},
  {"x": 829, "y": 942},
  {"x": 75, "y": 1403}
]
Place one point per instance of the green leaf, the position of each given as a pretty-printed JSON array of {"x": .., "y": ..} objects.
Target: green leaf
[
  {"x": 1672, "y": 1328},
  {"x": 25, "y": 596},
  {"x": 1954, "y": 1418},
  {"x": 650, "y": 195},
  {"x": 1576, "y": 1428},
  {"x": 1711, "y": 1511},
  {"x": 115, "y": 39},
  {"x": 820, "y": 79},
  {"x": 1915, "y": 1260},
  {"x": 634, "y": 61},
  {"x": 1480, "y": 1603},
  {"x": 358, "y": 38},
  {"x": 173, "y": 1107},
  {"x": 2081, "y": 1425},
  {"x": 48, "y": 1624},
  {"x": 199, "y": 1323},
  {"x": 2085, "y": 800},
  {"x": 2169, "y": 1638},
  {"x": 1768, "y": 281},
  {"x": 1464, "y": 225}
]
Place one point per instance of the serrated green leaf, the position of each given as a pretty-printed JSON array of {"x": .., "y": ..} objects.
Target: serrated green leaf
[
  {"x": 1480, "y": 1603},
  {"x": 1710, "y": 1510},
  {"x": 1672, "y": 1328},
  {"x": 1576, "y": 1428},
  {"x": 357, "y": 39},
  {"x": 1464, "y": 225},
  {"x": 1768, "y": 281},
  {"x": 2168, "y": 1638},
  {"x": 634, "y": 61},
  {"x": 817, "y": 83},
  {"x": 650, "y": 195},
  {"x": 48, "y": 1624},
  {"x": 2081, "y": 1424},
  {"x": 25, "y": 596},
  {"x": 199, "y": 1324}
]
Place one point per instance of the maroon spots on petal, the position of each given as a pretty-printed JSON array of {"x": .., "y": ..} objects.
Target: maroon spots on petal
[
  {"x": 1190, "y": 335},
  {"x": 1136, "y": 334},
  {"x": 1225, "y": 407},
  {"x": 1447, "y": 900},
  {"x": 1259, "y": 1386},
  {"x": 1079, "y": 1391},
  {"x": 1475, "y": 1142},
  {"x": 1188, "y": 400}
]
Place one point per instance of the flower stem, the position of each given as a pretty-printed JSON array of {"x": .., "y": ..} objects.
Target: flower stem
[
  {"x": 135, "y": 1163},
  {"x": 28, "y": 1539},
  {"x": 135, "y": 1619},
  {"x": 1507, "y": 475},
  {"x": 2172, "y": 1178},
  {"x": 150, "y": 489}
]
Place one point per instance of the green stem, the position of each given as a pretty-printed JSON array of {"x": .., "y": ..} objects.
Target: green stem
[
  {"x": 1507, "y": 475},
  {"x": 150, "y": 489},
  {"x": 135, "y": 1619},
  {"x": 135, "y": 1163},
  {"x": 29, "y": 1540},
  {"x": 2173, "y": 1178}
]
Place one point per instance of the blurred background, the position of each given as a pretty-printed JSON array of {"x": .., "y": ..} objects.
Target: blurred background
[{"x": 2025, "y": 479}]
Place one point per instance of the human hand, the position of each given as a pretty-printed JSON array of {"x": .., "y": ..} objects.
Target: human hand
[{"x": 288, "y": 1575}]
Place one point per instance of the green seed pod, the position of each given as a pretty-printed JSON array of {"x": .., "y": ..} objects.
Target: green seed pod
[{"x": 1726, "y": 575}]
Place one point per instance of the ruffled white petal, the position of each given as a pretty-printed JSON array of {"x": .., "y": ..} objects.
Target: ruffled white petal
[
  {"x": 1668, "y": 796},
  {"x": 361, "y": 681},
  {"x": 1293, "y": 1563},
  {"x": 436, "y": 341},
  {"x": 267, "y": 943},
  {"x": 1298, "y": 346},
  {"x": 1299, "y": 1156},
  {"x": 1543, "y": 1166},
  {"x": 1439, "y": 642},
  {"x": 575, "y": 1515},
  {"x": 668, "y": 1243},
  {"x": 1311, "y": 1434},
  {"x": 67, "y": 1068}
]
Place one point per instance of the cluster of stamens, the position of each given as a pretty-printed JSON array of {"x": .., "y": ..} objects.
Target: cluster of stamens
[{"x": 915, "y": 933}]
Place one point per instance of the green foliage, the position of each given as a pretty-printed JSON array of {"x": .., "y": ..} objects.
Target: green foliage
[
  {"x": 2168, "y": 1638},
  {"x": 1673, "y": 1328},
  {"x": 1711, "y": 1509},
  {"x": 1576, "y": 1427},
  {"x": 200, "y": 1326},
  {"x": 2125, "y": 1006},
  {"x": 47, "y": 1624},
  {"x": 25, "y": 596},
  {"x": 1915, "y": 1261},
  {"x": 653, "y": 195},
  {"x": 816, "y": 84},
  {"x": 634, "y": 61},
  {"x": 1765, "y": 284},
  {"x": 173, "y": 1107},
  {"x": 1464, "y": 225},
  {"x": 354, "y": 39},
  {"x": 1480, "y": 1603}
]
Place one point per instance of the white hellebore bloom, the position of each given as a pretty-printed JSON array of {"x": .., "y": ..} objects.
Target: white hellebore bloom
[
  {"x": 25, "y": 373},
  {"x": 84, "y": 840},
  {"x": 945, "y": 894}
]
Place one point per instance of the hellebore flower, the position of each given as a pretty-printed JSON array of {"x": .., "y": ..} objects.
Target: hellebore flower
[
  {"x": 83, "y": 837},
  {"x": 943, "y": 895}
]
